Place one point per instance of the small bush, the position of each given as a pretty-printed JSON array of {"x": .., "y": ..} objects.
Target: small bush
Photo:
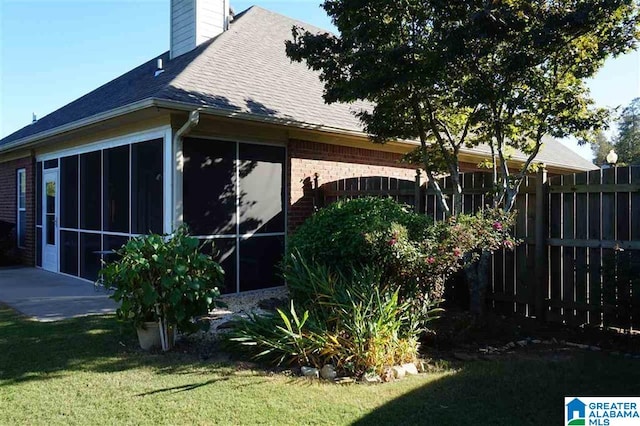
[
  {"x": 164, "y": 277},
  {"x": 349, "y": 320}
]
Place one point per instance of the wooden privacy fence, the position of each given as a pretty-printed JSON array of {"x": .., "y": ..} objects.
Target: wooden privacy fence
[
  {"x": 579, "y": 261},
  {"x": 404, "y": 191}
]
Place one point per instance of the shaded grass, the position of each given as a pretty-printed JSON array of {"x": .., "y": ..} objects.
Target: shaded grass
[{"x": 89, "y": 371}]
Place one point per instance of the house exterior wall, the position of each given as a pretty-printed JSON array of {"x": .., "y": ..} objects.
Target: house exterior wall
[
  {"x": 333, "y": 162},
  {"x": 8, "y": 201}
]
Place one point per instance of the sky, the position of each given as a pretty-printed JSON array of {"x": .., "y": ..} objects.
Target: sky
[{"x": 52, "y": 52}]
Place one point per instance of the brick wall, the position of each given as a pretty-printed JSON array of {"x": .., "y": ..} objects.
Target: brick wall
[
  {"x": 333, "y": 162},
  {"x": 8, "y": 201}
]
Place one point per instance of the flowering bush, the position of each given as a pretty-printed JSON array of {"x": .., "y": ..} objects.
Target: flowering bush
[
  {"x": 366, "y": 275},
  {"x": 414, "y": 254}
]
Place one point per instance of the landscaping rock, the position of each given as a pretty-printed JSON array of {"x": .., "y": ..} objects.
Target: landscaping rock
[
  {"x": 594, "y": 348},
  {"x": 398, "y": 372},
  {"x": 410, "y": 368},
  {"x": 344, "y": 380},
  {"x": 536, "y": 341},
  {"x": 387, "y": 375},
  {"x": 328, "y": 372},
  {"x": 310, "y": 372},
  {"x": 577, "y": 345},
  {"x": 371, "y": 378},
  {"x": 510, "y": 345},
  {"x": 522, "y": 343}
]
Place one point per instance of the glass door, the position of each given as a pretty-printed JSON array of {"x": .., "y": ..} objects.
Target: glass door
[{"x": 50, "y": 223}]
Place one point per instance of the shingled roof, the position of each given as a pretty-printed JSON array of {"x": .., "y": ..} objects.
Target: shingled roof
[{"x": 244, "y": 70}]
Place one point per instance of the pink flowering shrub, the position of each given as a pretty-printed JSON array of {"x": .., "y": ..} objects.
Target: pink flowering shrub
[{"x": 413, "y": 253}]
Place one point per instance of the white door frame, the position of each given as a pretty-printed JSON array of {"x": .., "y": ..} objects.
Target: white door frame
[{"x": 50, "y": 253}]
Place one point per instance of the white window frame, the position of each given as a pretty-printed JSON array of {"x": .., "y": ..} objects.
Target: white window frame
[{"x": 21, "y": 173}]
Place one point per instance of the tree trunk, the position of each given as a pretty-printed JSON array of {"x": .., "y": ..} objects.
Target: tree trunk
[{"x": 477, "y": 274}]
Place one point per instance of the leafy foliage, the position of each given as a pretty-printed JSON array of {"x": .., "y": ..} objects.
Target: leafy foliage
[
  {"x": 364, "y": 312},
  {"x": 626, "y": 143},
  {"x": 164, "y": 276},
  {"x": 460, "y": 73},
  {"x": 351, "y": 321}
]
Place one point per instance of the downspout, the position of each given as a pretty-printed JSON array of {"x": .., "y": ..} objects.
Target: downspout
[
  {"x": 194, "y": 119},
  {"x": 167, "y": 335}
]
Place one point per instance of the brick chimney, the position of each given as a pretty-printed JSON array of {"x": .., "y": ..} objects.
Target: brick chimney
[{"x": 195, "y": 21}]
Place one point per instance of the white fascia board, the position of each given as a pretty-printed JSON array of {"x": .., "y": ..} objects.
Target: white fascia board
[
  {"x": 107, "y": 115},
  {"x": 127, "y": 139}
]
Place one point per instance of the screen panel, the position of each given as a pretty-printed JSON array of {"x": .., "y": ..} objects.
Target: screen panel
[
  {"x": 116, "y": 189},
  {"x": 146, "y": 187},
  {"x": 90, "y": 247},
  {"x": 69, "y": 192},
  {"x": 262, "y": 189},
  {"x": 259, "y": 257},
  {"x": 90, "y": 190},
  {"x": 209, "y": 193},
  {"x": 223, "y": 251},
  {"x": 69, "y": 252}
]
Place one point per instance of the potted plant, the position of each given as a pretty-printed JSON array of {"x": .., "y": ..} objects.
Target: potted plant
[{"x": 163, "y": 282}]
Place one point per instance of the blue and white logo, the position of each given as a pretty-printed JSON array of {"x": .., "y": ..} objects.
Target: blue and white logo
[{"x": 601, "y": 411}]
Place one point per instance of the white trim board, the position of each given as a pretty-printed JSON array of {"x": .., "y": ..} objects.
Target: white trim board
[{"x": 131, "y": 138}]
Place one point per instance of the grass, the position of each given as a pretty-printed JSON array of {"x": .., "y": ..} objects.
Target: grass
[{"x": 88, "y": 371}]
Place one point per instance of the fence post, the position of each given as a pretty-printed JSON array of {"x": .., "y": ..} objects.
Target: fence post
[
  {"x": 416, "y": 193},
  {"x": 542, "y": 231}
]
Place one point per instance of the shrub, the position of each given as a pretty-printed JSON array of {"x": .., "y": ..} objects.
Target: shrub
[
  {"x": 345, "y": 234},
  {"x": 164, "y": 278},
  {"x": 352, "y": 321}
]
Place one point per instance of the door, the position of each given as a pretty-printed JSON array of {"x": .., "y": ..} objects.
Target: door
[{"x": 50, "y": 206}]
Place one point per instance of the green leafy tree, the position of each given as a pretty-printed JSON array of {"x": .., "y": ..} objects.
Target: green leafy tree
[
  {"x": 460, "y": 73},
  {"x": 600, "y": 147},
  {"x": 627, "y": 143}
]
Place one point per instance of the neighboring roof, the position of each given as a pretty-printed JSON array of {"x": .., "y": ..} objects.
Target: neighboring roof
[{"x": 243, "y": 70}]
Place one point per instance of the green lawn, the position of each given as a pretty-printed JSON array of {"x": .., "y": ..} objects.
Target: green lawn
[{"x": 85, "y": 371}]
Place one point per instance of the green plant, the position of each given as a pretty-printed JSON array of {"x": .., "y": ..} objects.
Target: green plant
[
  {"x": 345, "y": 234},
  {"x": 350, "y": 320},
  {"x": 164, "y": 278}
]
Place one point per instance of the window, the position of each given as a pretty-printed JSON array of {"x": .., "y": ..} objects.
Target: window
[
  {"x": 234, "y": 196},
  {"x": 21, "y": 222}
]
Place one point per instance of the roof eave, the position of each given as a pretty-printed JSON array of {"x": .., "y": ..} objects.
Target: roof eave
[
  {"x": 185, "y": 106},
  {"x": 32, "y": 140}
]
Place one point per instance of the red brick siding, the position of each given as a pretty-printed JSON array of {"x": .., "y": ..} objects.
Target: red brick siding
[
  {"x": 333, "y": 162},
  {"x": 8, "y": 201}
]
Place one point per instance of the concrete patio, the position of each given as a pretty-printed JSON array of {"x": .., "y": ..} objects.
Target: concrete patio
[{"x": 46, "y": 296}]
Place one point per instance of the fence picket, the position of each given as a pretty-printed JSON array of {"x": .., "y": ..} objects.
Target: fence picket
[{"x": 594, "y": 232}]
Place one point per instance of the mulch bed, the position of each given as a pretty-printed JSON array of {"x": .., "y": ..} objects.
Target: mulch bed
[{"x": 456, "y": 336}]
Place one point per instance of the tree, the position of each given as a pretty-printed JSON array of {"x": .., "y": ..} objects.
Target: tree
[
  {"x": 600, "y": 147},
  {"x": 459, "y": 73},
  {"x": 627, "y": 143}
]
